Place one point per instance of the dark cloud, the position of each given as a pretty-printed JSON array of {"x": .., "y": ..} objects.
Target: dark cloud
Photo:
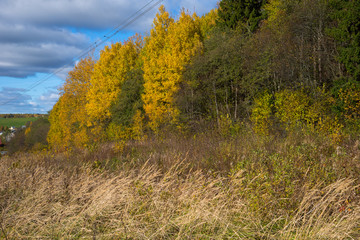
[
  {"x": 21, "y": 60},
  {"x": 26, "y": 50},
  {"x": 35, "y": 35},
  {"x": 90, "y": 14},
  {"x": 41, "y": 36},
  {"x": 28, "y": 34}
]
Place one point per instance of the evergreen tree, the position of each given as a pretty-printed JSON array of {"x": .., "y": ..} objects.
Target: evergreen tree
[
  {"x": 347, "y": 32},
  {"x": 246, "y": 13}
]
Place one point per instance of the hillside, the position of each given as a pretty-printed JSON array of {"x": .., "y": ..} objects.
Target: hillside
[
  {"x": 208, "y": 186},
  {"x": 243, "y": 123}
]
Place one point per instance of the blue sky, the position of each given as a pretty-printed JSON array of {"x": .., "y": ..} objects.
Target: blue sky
[{"x": 39, "y": 37}]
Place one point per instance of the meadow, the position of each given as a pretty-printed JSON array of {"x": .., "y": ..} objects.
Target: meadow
[
  {"x": 16, "y": 122},
  {"x": 203, "y": 186}
]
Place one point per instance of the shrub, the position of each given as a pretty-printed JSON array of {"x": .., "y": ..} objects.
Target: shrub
[{"x": 261, "y": 113}]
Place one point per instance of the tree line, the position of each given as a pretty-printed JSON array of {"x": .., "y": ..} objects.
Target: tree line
[
  {"x": 21, "y": 115},
  {"x": 278, "y": 64}
]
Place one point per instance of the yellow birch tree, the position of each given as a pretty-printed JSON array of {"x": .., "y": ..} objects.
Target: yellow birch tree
[
  {"x": 68, "y": 117},
  {"x": 110, "y": 72},
  {"x": 168, "y": 49}
]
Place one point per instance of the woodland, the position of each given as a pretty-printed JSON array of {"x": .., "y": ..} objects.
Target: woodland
[
  {"x": 278, "y": 65},
  {"x": 243, "y": 123}
]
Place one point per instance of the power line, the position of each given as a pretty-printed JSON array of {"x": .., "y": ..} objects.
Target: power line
[{"x": 141, "y": 12}]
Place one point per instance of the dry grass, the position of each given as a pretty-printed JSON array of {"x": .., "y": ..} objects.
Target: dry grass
[
  {"x": 168, "y": 190},
  {"x": 41, "y": 202}
]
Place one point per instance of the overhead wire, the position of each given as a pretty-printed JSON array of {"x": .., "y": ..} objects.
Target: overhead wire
[{"x": 148, "y": 7}]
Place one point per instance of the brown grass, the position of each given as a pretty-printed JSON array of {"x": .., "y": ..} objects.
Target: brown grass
[{"x": 172, "y": 189}]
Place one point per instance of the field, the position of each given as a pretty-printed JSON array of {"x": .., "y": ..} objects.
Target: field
[
  {"x": 207, "y": 186},
  {"x": 15, "y": 122}
]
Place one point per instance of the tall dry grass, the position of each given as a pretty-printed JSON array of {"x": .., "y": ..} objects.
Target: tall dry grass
[{"x": 177, "y": 189}]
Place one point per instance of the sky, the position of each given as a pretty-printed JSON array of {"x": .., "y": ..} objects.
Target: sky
[{"x": 40, "y": 40}]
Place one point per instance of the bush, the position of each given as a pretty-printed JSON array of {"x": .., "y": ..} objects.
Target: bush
[
  {"x": 296, "y": 110},
  {"x": 32, "y": 138}
]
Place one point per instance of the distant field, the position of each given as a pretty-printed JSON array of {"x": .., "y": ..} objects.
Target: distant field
[{"x": 15, "y": 122}]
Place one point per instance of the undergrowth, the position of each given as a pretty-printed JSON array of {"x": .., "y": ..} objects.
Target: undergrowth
[{"x": 201, "y": 186}]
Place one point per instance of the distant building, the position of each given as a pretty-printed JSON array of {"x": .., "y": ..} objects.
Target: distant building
[{"x": 9, "y": 137}]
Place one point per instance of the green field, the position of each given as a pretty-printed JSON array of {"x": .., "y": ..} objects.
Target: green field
[{"x": 15, "y": 122}]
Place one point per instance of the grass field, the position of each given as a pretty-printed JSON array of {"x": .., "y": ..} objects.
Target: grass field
[
  {"x": 208, "y": 186},
  {"x": 15, "y": 122}
]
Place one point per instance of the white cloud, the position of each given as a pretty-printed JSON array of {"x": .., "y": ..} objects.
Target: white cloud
[
  {"x": 49, "y": 97},
  {"x": 41, "y": 36},
  {"x": 47, "y": 100},
  {"x": 32, "y": 103},
  {"x": 15, "y": 99}
]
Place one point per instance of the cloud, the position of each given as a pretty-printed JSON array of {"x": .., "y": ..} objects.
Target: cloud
[
  {"x": 15, "y": 99},
  {"x": 41, "y": 36},
  {"x": 38, "y": 35},
  {"x": 89, "y": 14},
  {"x": 28, "y": 34},
  {"x": 27, "y": 59},
  {"x": 49, "y": 96},
  {"x": 47, "y": 100},
  {"x": 27, "y": 50}
]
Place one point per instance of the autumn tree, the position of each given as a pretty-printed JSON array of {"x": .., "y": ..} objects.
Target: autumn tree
[
  {"x": 127, "y": 110},
  {"x": 168, "y": 49},
  {"x": 68, "y": 116},
  {"x": 110, "y": 72},
  {"x": 213, "y": 85}
]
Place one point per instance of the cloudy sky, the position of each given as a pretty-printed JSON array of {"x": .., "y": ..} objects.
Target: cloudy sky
[{"x": 39, "y": 39}]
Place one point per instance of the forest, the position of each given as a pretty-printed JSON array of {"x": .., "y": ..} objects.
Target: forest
[
  {"x": 279, "y": 65},
  {"x": 243, "y": 123}
]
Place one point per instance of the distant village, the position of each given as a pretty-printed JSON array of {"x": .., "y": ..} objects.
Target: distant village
[{"x": 8, "y": 133}]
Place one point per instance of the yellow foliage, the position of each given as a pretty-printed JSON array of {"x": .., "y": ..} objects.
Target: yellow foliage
[
  {"x": 292, "y": 108},
  {"x": 350, "y": 98},
  {"x": 330, "y": 126},
  {"x": 68, "y": 116},
  {"x": 138, "y": 126},
  {"x": 261, "y": 114},
  {"x": 276, "y": 13},
  {"x": 208, "y": 22},
  {"x": 296, "y": 110},
  {"x": 119, "y": 146},
  {"x": 59, "y": 135},
  {"x": 117, "y": 132},
  {"x": 27, "y": 131},
  {"x": 168, "y": 49},
  {"x": 109, "y": 73}
]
